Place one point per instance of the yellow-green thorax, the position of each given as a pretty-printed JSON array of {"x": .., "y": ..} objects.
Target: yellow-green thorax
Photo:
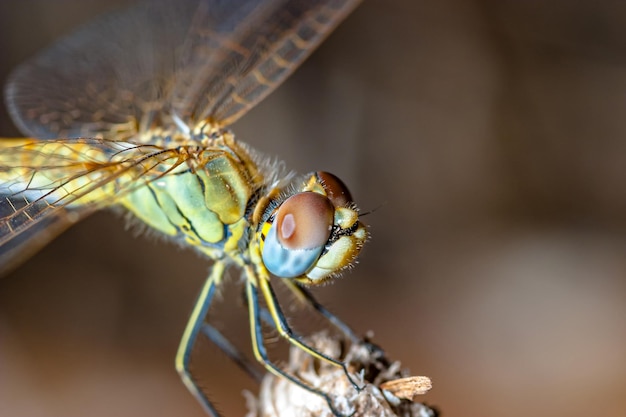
[{"x": 203, "y": 201}]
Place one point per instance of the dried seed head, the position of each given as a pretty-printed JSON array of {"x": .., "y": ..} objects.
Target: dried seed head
[{"x": 388, "y": 391}]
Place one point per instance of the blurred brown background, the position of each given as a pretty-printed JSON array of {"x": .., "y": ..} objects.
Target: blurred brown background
[{"x": 490, "y": 135}]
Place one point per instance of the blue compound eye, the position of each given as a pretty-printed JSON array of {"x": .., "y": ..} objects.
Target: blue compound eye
[{"x": 297, "y": 237}]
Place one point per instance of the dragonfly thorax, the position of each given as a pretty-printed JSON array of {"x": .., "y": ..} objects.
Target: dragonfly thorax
[{"x": 201, "y": 198}]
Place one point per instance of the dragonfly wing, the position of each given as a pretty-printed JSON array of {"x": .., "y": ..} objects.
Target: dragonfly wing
[
  {"x": 232, "y": 65},
  {"x": 103, "y": 80},
  {"x": 171, "y": 64},
  {"x": 21, "y": 245},
  {"x": 46, "y": 186}
]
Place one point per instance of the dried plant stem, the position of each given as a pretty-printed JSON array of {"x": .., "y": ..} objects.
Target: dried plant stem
[{"x": 388, "y": 391}]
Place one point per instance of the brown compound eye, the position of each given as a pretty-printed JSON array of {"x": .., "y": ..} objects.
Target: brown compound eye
[
  {"x": 297, "y": 236},
  {"x": 304, "y": 221},
  {"x": 335, "y": 189}
]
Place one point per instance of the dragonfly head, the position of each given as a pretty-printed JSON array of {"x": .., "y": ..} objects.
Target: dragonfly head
[{"x": 315, "y": 233}]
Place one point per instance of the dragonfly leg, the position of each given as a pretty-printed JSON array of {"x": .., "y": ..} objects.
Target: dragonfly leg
[
  {"x": 304, "y": 295},
  {"x": 261, "y": 353},
  {"x": 216, "y": 337},
  {"x": 285, "y": 331},
  {"x": 194, "y": 325}
]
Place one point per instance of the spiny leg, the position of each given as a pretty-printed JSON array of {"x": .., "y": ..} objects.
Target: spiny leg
[
  {"x": 260, "y": 353},
  {"x": 285, "y": 331},
  {"x": 265, "y": 315},
  {"x": 231, "y": 351},
  {"x": 183, "y": 356},
  {"x": 305, "y": 296}
]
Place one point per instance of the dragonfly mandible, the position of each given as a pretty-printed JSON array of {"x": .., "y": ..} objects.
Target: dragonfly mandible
[{"x": 132, "y": 110}]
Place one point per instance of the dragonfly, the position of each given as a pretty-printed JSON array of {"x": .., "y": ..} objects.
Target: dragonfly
[{"x": 133, "y": 110}]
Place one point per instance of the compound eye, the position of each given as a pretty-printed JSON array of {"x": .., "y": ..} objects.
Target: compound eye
[
  {"x": 298, "y": 235},
  {"x": 304, "y": 221},
  {"x": 335, "y": 189}
]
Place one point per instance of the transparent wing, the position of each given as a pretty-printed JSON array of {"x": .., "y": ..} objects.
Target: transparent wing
[
  {"x": 46, "y": 186},
  {"x": 24, "y": 243},
  {"x": 168, "y": 64}
]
